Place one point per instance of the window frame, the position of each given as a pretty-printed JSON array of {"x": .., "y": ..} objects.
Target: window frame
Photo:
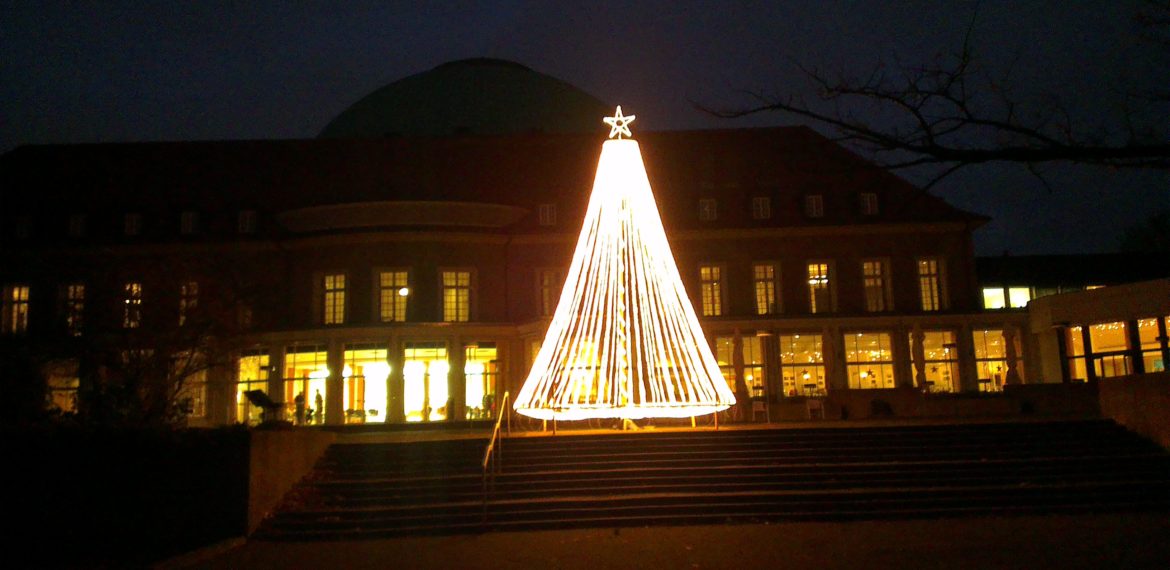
[
  {"x": 547, "y": 214},
  {"x": 708, "y": 209},
  {"x": 814, "y": 206},
  {"x": 327, "y": 316},
  {"x": 471, "y": 293},
  {"x": 761, "y": 207},
  {"x": 830, "y": 289},
  {"x": 717, "y": 293},
  {"x": 938, "y": 278},
  {"x": 774, "y": 281},
  {"x": 380, "y": 291},
  {"x": 886, "y": 294}
]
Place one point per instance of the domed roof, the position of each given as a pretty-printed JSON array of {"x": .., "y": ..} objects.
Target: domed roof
[{"x": 471, "y": 96}]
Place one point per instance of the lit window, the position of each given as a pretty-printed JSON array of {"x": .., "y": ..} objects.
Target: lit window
[
  {"x": 725, "y": 357},
  {"x": 132, "y": 305},
  {"x": 814, "y": 206},
  {"x": 991, "y": 359},
  {"x": 820, "y": 294},
  {"x": 708, "y": 210},
  {"x": 364, "y": 375},
  {"x": 61, "y": 383},
  {"x": 764, "y": 278},
  {"x": 1018, "y": 297},
  {"x": 16, "y": 306},
  {"x": 252, "y": 372},
  {"x": 761, "y": 208},
  {"x": 869, "y": 204},
  {"x": 993, "y": 298},
  {"x": 1110, "y": 346},
  {"x": 77, "y": 225},
  {"x": 188, "y": 299},
  {"x": 877, "y": 292},
  {"x": 869, "y": 360},
  {"x": 802, "y": 364},
  {"x": 940, "y": 361},
  {"x": 547, "y": 283},
  {"x": 246, "y": 222},
  {"x": 456, "y": 296},
  {"x": 711, "y": 290},
  {"x": 188, "y": 222},
  {"x": 306, "y": 374},
  {"x": 334, "y": 299},
  {"x": 132, "y": 224},
  {"x": 74, "y": 295},
  {"x": 393, "y": 292},
  {"x": 548, "y": 214},
  {"x": 1151, "y": 348},
  {"x": 481, "y": 368},
  {"x": 930, "y": 284}
]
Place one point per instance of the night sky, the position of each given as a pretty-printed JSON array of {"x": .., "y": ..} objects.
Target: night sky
[{"x": 142, "y": 71}]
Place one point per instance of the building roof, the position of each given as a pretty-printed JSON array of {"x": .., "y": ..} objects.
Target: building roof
[
  {"x": 523, "y": 170},
  {"x": 1049, "y": 271},
  {"x": 472, "y": 96}
]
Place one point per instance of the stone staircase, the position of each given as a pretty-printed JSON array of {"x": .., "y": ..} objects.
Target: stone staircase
[{"x": 732, "y": 475}]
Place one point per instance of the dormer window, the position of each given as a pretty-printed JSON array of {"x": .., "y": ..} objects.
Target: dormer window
[
  {"x": 76, "y": 225},
  {"x": 761, "y": 208},
  {"x": 246, "y": 222},
  {"x": 548, "y": 214},
  {"x": 869, "y": 204},
  {"x": 132, "y": 224},
  {"x": 188, "y": 222},
  {"x": 814, "y": 206},
  {"x": 708, "y": 210}
]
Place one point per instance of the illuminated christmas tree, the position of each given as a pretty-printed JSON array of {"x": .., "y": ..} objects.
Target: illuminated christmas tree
[{"x": 624, "y": 341}]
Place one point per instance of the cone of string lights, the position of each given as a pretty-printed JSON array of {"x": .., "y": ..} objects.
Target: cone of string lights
[{"x": 624, "y": 341}]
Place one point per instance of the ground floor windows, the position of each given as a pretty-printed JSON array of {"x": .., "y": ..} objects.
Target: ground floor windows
[
  {"x": 802, "y": 364},
  {"x": 940, "y": 358},
  {"x": 1074, "y": 343},
  {"x": 1148, "y": 335},
  {"x": 425, "y": 395},
  {"x": 251, "y": 374},
  {"x": 480, "y": 372},
  {"x": 869, "y": 362},
  {"x": 62, "y": 381},
  {"x": 1110, "y": 345},
  {"x": 305, "y": 377},
  {"x": 990, "y": 359},
  {"x": 725, "y": 357},
  {"x": 364, "y": 380}
]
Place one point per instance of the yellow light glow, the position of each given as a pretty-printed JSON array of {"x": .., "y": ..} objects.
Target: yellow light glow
[
  {"x": 624, "y": 341},
  {"x": 403, "y": 291}
]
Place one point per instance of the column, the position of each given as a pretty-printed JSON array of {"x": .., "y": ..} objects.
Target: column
[
  {"x": 220, "y": 400},
  {"x": 1090, "y": 366},
  {"x": 1134, "y": 340},
  {"x": 1062, "y": 353},
  {"x": 742, "y": 395},
  {"x": 1010, "y": 335},
  {"x": 457, "y": 380},
  {"x": 394, "y": 386},
  {"x": 1164, "y": 341},
  {"x": 918, "y": 351},
  {"x": 968, "y": 370},
  {"x": 900, "y": 351},
  {"x": 836, "y": 372},
  {"x": 334, "y": 385},
  {"x": 276, "y": 382}
]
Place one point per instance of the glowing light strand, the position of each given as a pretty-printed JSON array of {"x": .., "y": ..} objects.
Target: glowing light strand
[{"x": 624, "y": 340}]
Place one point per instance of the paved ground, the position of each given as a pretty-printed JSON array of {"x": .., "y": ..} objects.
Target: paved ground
[{"x": 1058, "y": 542}]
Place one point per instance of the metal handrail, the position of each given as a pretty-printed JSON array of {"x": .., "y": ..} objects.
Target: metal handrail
[{"x": 497, "y": 449}]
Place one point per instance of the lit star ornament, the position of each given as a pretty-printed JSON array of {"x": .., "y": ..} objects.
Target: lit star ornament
[{"x": 619, "y": 125}]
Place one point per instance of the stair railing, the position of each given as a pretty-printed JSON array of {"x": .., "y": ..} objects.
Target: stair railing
[{"x": 493, "y": 454}]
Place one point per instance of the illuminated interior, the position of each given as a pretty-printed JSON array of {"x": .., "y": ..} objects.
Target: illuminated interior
[
  {"x": 481, "y": 371},
  {"x": 1110, "y": 344},
  {"x": 393, "y": 292},
  {"x": 820, "y": 298},
  {"x": 252, "y": 374},
  {"x": 874, "y": 280},
  {"x": 711, "y": 290},
  {"x": 62, "y": 381},
  {"x": 990, "y": 359},
  {"x": 802, "y": 365},
  {"x": 425, "y": 395},
  {"x": 1151, "y": 348},
  {"x": 869, "y": 362},
  {"x": 364, "y": 378},
  {"x": 624, "y": 340},
  {"x": 941, "y": 359},
  {"x": 305, "y": 375},
  {"x": 764, "y": 279},
  {"x": 456, "y": 296},
  {"x": 1074, "y": 342},
  {"x": 994, "y": 298},
  {"x": 929, "y": 284}
]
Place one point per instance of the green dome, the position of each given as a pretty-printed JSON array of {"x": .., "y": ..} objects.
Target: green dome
[{"x": 471, "y": 96}]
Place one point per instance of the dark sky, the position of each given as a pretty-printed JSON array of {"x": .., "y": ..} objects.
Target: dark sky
[{"x": 134, "y": 71}]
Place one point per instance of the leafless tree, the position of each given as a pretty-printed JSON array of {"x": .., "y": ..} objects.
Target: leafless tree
[{"x": 950, "y": 113}]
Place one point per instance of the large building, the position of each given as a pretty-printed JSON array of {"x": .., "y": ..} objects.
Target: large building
[{"x": 403, "y": 266}]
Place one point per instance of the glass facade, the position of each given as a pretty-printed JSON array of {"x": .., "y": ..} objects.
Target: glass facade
[
  {"x": 802, "y": 365},
  {"x": 481, "y": 368},
  {"x": 869, "y": 361},
  {"x": 251, "y": 374},
  {"x": 1110, "y": 345},
  {"x": 305, "y": 376},
  {"x": 1151, "y": 348},
  {"x": 990, "y": 359},
  {"x": 941, "y": 359},
  {"x": 425, "y": 396},
  {"x": 364, "y": 380}
]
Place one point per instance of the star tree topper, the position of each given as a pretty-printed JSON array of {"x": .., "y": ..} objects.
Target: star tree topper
[{"x": 619, "y": 125}]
